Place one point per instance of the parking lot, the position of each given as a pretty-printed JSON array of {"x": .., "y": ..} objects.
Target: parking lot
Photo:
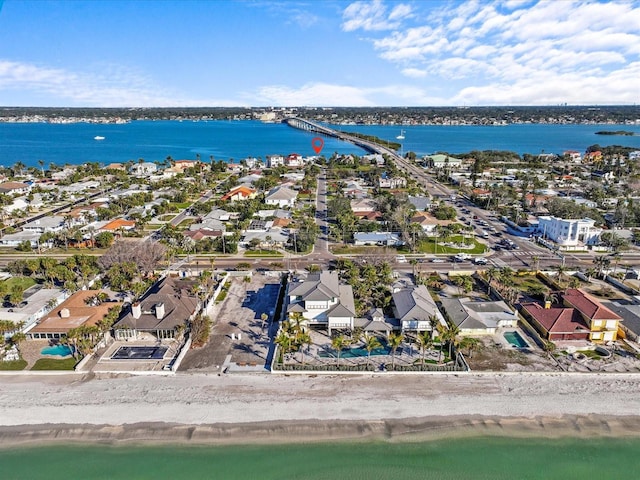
[{"x": 238, "y": 328}]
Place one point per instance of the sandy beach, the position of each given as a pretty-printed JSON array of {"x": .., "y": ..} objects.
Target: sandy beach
[{"x": 257, "y": 408}]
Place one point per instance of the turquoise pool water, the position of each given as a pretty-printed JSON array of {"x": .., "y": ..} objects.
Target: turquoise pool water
[
  {"x": 359, "y": 352},
  {"x": 515, "y": 339},
  {"x": 60, "y": 350}
]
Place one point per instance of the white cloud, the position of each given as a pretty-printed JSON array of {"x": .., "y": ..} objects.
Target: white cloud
[
  {"x": 532, "y": 50},
  {"x": 311, "y": 94},
  {"x": 372, "y": 16},
  {"x": 113, "y": 86}
]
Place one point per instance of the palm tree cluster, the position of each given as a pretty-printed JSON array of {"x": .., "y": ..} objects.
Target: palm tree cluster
[
  {"x": 71, "y": 273},
  {"x": 503, "y": 280},
  {"x": 370, "y": 283},
  {"x": 293, "y": 337}
]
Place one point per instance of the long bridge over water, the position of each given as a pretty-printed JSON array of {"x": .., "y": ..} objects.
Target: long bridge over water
[
  {"x": 372, "y": 147},
  {"x": 314, "y": 127}
]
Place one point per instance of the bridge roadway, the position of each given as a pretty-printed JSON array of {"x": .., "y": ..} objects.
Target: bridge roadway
[{"x": 372, "y": 147}]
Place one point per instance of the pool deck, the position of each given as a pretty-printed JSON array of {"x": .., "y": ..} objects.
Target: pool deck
[
  {"x": 499, "y": 339},
  {"x": 107, "y": 364}
]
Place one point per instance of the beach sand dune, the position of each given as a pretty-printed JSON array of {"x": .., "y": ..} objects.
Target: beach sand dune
[{"x": 250, "y": 408}]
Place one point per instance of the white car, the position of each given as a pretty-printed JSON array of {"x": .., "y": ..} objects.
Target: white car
[
  {"x": 401, "y": 259},
  {"x": 438, "y": 260}
]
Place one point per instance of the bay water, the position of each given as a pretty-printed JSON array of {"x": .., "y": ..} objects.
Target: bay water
[
  {"x": 482, "y": 458},
  {"x": 75, "y": 143}
]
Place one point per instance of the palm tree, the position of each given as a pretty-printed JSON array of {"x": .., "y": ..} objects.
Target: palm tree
[
  {"x": 371, "y": 342},
  {"x": 425, "y": 340},
  {"x": 394, "y": 341},
  {"x": 601, "y": 262},
  {"x": 284, "y": 342},
  {"x": 450, "y": 335},
  {"x": 338, "y": 343},
  {"x": 536, "y": 262},
  {"x": 562, "y": 271},
  {"x": 492, "y": 273},
  {"x": 469, "y": 343},
  {"x": 303, "y": 338}
]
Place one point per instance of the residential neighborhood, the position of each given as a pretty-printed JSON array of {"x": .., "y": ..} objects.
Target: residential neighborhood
[{"x": 377, "y": 269}]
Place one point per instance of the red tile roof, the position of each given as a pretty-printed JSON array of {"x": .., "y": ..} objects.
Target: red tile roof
[
  {"x": 588, "y": 305},
  {"x": 557, "y": 319}
]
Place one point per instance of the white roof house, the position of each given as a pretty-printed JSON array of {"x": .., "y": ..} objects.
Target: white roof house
[
  {"x": 322, "y": 301},
  {"x": 415, "y": 309},
  {"x": 569, "y": 232},
  {"x": 479, "y": 318},
  {"x": 281, "y": 196}
]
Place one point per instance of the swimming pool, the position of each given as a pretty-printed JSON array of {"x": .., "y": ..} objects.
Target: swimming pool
[
  {"x": 140, "y": 353},
  {"x": 358, "y": 352},
  {"x": 515, "y": 339},
  {"x": 59, "y": 350}
]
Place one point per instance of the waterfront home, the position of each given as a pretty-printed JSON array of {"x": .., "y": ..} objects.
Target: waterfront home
[
  {"x": 74, "y": 312},
  {"x": 274, "y": 161},
  {"x": 239, "y": 193},
  {"x": 478, "y": 317},
  {"x": 143, "y": 169},
  {"x": 322, "y": 301},
  {"x": 37, "y": 302},
  {"x": 164, "y": 309},
  {"x": 416, "y": 310},
  {"x": 294, "y": 160},
  {"x": 579, "y": 316},
  {"x": 603, "y": 323},
  {"x": 282, "y": 197},
  {"x": 556, "y": 323}
]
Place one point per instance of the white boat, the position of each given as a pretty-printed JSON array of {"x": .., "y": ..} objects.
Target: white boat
[
  {"x": 98, "y": 137},
  {"x": 401, "y": 136}
]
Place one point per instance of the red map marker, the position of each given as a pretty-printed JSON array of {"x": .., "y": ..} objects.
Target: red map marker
[{"x": 317, "y": 143}]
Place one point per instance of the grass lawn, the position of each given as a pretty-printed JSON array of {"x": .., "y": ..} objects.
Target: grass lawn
[
  {"x": 429, "y": 246},
  {"x": 179, "y": 206},
  {"x": 53, "y": 364},
  {"x": 263, "y": 253},
  {"x": 13, "y": 365},
  {"x": 166, "y": 217},
  {"x": 23, "y": 282}
]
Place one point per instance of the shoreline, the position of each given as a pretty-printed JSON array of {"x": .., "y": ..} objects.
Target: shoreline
[
  {"x": 411, "y": 430},
  {"x": 256, "y": 409}
]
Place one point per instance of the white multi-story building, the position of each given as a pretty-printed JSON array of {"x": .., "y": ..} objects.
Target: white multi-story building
[{"x": 569, "y": 232}]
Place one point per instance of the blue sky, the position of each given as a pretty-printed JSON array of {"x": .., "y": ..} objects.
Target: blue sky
[{"x": 148, "y": 53}]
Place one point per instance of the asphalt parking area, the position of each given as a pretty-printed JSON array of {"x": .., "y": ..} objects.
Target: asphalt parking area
[{"x": 238, "y": 328}]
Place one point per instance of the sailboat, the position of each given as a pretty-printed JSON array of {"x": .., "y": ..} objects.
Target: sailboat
[
  {"x": 401, "y": 136},
  {"x": 98, "y": 137}
]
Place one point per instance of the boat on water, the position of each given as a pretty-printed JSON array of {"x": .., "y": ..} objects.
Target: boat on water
[
  {"x": 98, "y": 137},
  {"x": 401, "y": 136}
]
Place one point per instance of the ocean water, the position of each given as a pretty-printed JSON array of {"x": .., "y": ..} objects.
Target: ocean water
[
  {"x": 519, "y": 138},
  {"x": 489, "y": 458},
  {"x": 225, "y": 140}
]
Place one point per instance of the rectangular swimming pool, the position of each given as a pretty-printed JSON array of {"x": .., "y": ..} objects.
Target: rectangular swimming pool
[
  {"x": 140, "y": 353},
  {"x": 515, "y": 339}
]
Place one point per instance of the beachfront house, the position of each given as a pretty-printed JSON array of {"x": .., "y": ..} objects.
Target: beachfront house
[
  {"x": 416, "y": 310},
  {"x": 578, "y": 316},
  {"x": 165, "y": 308},
  {"x": 76, "y": 311},
  {"x": 322, "y": 301},
  {"x": 478, "y": 318}
]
